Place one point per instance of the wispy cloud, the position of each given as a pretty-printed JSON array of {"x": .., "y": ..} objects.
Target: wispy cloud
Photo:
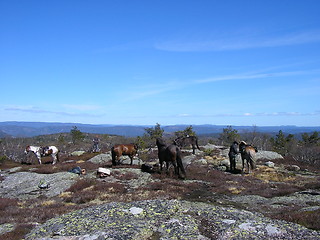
[
  {"x": 34, "y": 110},
  {"x": 248, "y": 114},
  {"x": 81, "y": 107},
  {"x": 255, "y": 76},
  {"x": 143, "y": 91},
  {"x": 238, "y": 42}
]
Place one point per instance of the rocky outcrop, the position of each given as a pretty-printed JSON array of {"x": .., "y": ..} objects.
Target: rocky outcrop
[
  {"x": 101, "y": 158},
  {"x": 107, "y": 157},
  {"x": 304, "y": 201},
  {"x": 230, "y": 216},
  {"x": 167, "y": 219},
  {"x": 27, "y": 185},
  {"x": 268, "y": 155}
]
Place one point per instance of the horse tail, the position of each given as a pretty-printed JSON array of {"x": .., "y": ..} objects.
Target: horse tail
[
  {"x": 182, "y": 174},
  {"x": 57, "y": 155},
  {"x": 197, "y": 143},
  {"x": 252, "y": 161}
]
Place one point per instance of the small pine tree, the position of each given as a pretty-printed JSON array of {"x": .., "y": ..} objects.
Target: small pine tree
[
  {"x": 184, "y": 133},
  {"x": 312, "y": 140},
  {"x": 155, "y": 132},
  {"x": 282, "y": 144},
  {"x": 61, "y": 139},
  {"x": 229, "y": 135},
  {"x": 76, "y": 135},
  {"x": 151, "y": 135}
]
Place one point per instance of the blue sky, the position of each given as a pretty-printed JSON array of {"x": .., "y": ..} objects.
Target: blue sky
[{"x": 169, "y": 62}]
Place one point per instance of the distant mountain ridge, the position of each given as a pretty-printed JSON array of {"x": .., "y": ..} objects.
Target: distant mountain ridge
[{"x": 31, "y": 129}]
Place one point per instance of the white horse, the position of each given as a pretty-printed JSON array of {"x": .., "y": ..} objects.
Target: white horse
[{"x": 44, "y": 151}]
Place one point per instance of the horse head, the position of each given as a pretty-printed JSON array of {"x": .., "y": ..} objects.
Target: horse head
[
  {"x": 136, "y": 146},
  {"x": 160, "y": 142},
  {"x": 27, "y": 150},
  {"x": 242, "y": 146}
]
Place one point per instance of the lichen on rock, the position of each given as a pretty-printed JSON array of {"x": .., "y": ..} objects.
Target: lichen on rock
[{"x": 167, "y": 219}]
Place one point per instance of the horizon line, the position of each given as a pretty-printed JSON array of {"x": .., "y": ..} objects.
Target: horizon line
[{"x": 176, "y": 124}]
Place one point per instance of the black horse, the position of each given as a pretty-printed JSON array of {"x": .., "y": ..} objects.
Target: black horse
[
  {"x": 170, "y": 154},
  {"x": 187, "y": 141}
]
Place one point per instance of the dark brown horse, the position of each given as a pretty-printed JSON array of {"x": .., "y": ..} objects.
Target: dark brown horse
[
  {"x": 170, "y": 154},
  {"x": 119, "y": 150},
  {"x": 187, "y": 141},
  {"x": 248, "y": 153}
]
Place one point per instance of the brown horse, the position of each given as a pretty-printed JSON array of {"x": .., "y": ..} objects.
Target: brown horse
[
  {"x": 170, "y": 154},
  {"x": 187, "y": 141},
  {"x": 248, "y": 153},
  {"x": 119, "y": 150}
]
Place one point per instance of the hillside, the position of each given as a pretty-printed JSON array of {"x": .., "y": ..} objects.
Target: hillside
[
  {"x": 30, "y": 129},
  {"x": 274, "y": 202}
]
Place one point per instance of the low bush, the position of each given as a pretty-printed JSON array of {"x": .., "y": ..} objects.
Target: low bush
[
  {"x": 81, "y": 184},
  {"x": 309, "y": 219},
  {"x": 7, "y": 203},
  {"x": 18, "y": 233}
]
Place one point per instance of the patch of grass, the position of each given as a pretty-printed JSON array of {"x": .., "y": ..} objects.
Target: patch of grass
[
  {"x": 125, "y": 176},
  {"x": 289, "y": 160},
  {"x": 211, "y": 152},
  {"x": 81, "y": 184},
  {"x": 271, "y": 175},
  {"x": 7, "y": 164},
  {"x": 18, "y": 233},
  {"x": 7, "y": 203},
  {"x": 109, "y": 187},
  {"x": 64, "y": 167},
  {"x": 169, "y": 188},
  {"x": 309, "y": 219},
  {"x": 28, "y": 212}
]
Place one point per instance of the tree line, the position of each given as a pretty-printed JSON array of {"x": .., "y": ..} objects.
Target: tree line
[{"x": 304, "y": 148}]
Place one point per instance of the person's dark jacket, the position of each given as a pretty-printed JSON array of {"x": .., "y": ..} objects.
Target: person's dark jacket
[{"x": 233, "y": 149}]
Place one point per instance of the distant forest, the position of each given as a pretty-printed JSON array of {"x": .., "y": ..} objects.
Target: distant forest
[{"x": 31, "y": 129}]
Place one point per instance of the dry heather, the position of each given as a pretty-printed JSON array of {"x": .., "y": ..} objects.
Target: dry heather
[{"x": 204, "y": 183}]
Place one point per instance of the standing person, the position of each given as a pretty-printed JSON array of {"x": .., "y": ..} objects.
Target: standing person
[
  {"x": 232, "y": 155},
  {"x": 95, "y": 147}
]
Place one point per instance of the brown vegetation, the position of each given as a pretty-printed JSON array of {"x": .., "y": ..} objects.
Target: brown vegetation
[{"x": 204, "y": 183}]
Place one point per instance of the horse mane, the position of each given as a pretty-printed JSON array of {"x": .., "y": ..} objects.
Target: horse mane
[{"x": 243, "y": 143}]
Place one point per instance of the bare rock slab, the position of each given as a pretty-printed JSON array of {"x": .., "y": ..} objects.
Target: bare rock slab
[
  {"x": 26, "y": 185},
  {"x": 167, "y": 219}
]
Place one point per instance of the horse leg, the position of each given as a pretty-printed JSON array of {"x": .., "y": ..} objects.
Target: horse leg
[
  {"x": 39, "y": 157},
  {"x": 176, "y": 170},
  {"x": 167, "y": 167},
  {"x": 232, "y": 164},
  {"x": 54, "y": 159},
  {"x": 114, "y": 157},
  {"x": 161, "y": 164},
  {"x": 193, "y": 149},
  {"x": 131, "y": 157},
  {"x": 243, "y": 165}
]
